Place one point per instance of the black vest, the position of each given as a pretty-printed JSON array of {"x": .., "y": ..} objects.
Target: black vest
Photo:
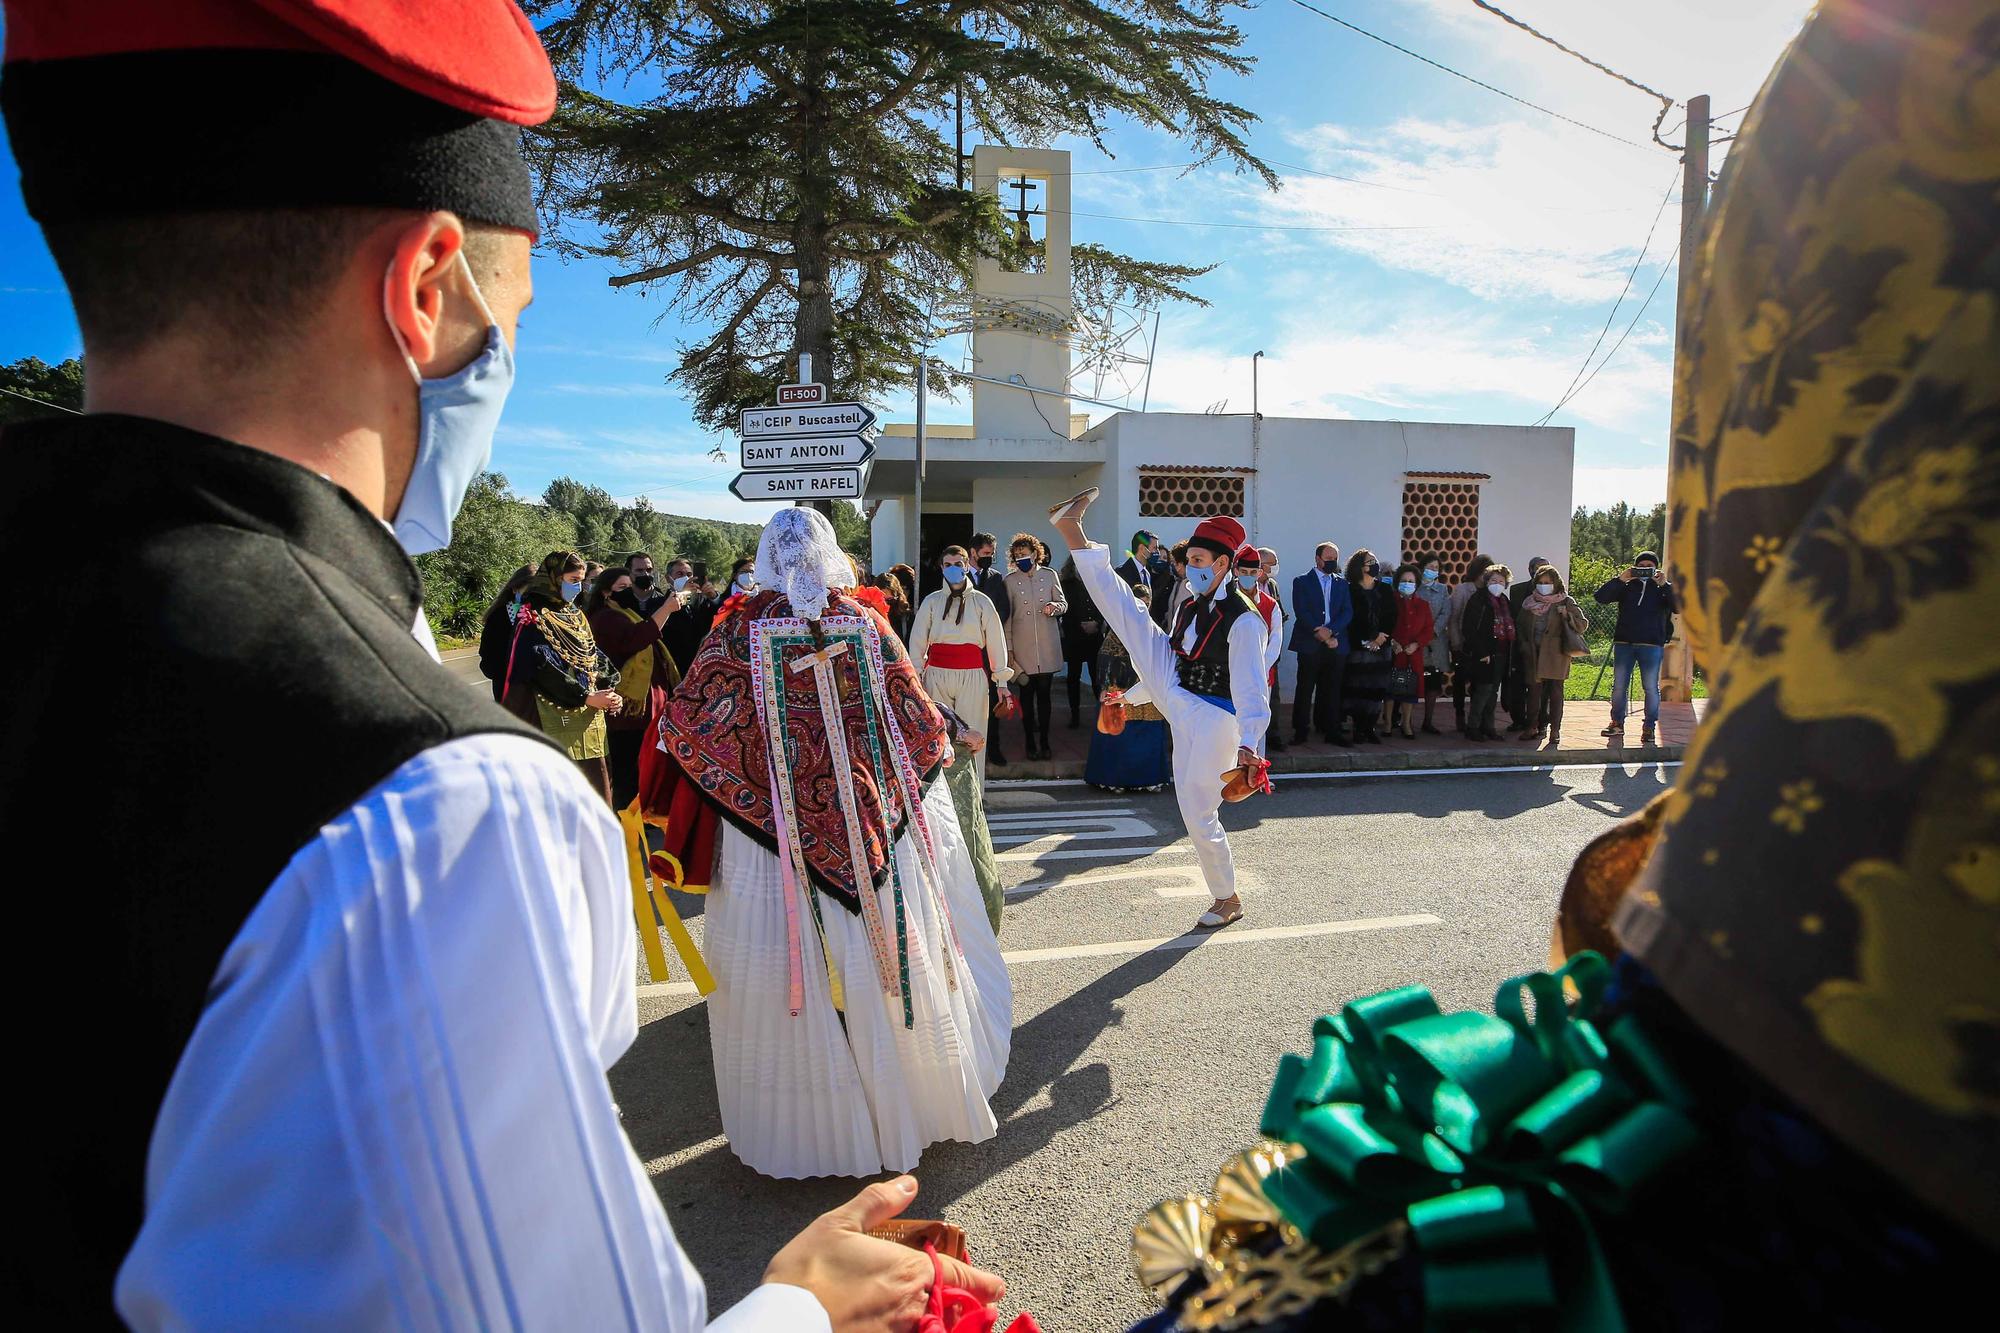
[
  {"x": 1206, "y": 669},
  {"x": 210, "y": 657}
]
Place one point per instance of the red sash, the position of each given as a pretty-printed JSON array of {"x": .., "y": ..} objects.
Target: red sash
[{"x": 955, "y": 656}]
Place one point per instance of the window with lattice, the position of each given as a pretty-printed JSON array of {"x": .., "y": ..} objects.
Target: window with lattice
[
  {"x": 1441, "y": 518},
  {"x": 1190, "y": 494}
]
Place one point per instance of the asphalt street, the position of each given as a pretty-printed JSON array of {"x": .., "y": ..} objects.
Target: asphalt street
[{"x": 1142, "y": 1054}]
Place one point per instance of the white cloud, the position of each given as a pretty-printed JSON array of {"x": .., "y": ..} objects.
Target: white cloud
[
  {"x": 1323, "y": 364},
  {"x": 1601, "y": 487}
]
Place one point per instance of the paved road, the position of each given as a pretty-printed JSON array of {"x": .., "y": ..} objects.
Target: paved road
[{"x": 1137, "y": 1068}]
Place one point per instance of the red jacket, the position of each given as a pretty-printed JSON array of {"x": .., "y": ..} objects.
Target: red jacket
[
  {"x": 1267, "y": 607},
  {"x": 1414, "y": 628}
]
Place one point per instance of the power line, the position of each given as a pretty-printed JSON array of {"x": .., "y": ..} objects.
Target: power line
[
  {"x": 1621, "y": 337},
  {"x": 1666, "y": 102},
  {"x": 1243, "y": 226},
  {"x": 1630, "y": 274},
  {"x": 29, "y": 398},
  {"x": 1460, "y": 74}
]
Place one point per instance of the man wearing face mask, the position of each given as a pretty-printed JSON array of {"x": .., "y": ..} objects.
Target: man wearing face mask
[
  {"x": 1321, "y": 609},
  {"x": 366, "y": 1017},
  {"x": 992, "y": 582},
  {"x": 1250, "y": 582},
  {"x": 689, "y": 626},
  {"x": 1207, "y": 675}
]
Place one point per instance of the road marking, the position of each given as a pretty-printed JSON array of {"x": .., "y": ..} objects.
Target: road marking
[
  {"x": 1164, "y": 944},
  {"x": 1067, "y": 813},
  {"x": 1040, "y": 885},
  {"x": 1094, "y": 853},
  {"x": 1015, "y": 835},
  {"x": 1278, "y": 779}
]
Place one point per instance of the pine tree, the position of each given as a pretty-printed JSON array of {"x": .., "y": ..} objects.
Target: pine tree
[{"x": 794, "y": 183}]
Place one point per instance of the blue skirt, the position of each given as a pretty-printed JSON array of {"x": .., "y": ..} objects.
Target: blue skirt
[{"x": 1133, "y": 760}]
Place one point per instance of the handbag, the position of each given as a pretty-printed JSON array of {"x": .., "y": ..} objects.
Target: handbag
[
  {"x": 1403, "y": 682},
  {"x": 1573, "y": 642}
]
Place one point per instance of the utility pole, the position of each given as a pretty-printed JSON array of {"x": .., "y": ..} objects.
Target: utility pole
[
  {"x": 958, "y": 100},
  {"x": 1256, "y": 449},
  {"x": 1677, "y": 674},
  {"x": 806, "y": 377},
  {"x": 916, "y": 556}
]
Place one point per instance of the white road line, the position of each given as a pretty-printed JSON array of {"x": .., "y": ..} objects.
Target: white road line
[
  {"x": 1093, "y": 853},
  {"x": 1116, "y": 828},
  {"x": 1281, "y": 778},
  {"x": 1114, "y": 948},
  {"x": 1229, "y": 935},
  {"x": 1042, "y": 885},
  {"x": 1066, "y": 814}
]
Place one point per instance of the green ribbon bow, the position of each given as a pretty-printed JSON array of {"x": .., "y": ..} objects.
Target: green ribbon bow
[{"x": 1496, "y": 1137}]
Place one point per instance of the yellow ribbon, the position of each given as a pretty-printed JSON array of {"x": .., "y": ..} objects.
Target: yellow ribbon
[{"x": 649, "y": 894}]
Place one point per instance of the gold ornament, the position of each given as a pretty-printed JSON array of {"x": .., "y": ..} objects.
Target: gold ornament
[
  {"x": 1172, "y": 1242},
  {"x": 1254, "y": 1290},
  {"x": 1241, "y": 1206}
]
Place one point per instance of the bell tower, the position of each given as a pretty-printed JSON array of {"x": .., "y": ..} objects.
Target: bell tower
[{"x": 1022, "y": 318}]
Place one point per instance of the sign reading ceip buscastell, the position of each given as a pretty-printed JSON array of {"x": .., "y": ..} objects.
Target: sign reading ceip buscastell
[{"x": 801, "y": 422}]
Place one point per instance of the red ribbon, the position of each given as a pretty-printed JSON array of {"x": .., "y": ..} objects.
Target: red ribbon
[
  {"x": 1260, "y": 776},
  {"x": 955, "y": 1310}
]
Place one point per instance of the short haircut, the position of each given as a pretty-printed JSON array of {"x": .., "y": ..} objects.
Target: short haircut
[
  {"x": 680, "y": 560},
  {"x": 1143, "y": 537},
  {"x": 258, "y": 277},
  {"x": 748, "y": 562},
  {"x": 637, "y": 555},
  {"x": 949, "y": 552},
  {"x": 1428, "y": 558},
  {"x": 1646, "y": 555},
  {"x": 1495, "y": 567},
  {"x": 1269, "y": 555},
  {"x": 1480, "y": 564},
  {"x": 1178, "y": 553},
  {"x": 1408, "y": 567},
  {"x": 1323, "y": 548},
  {"x": 1020, "y": 539},
  {"x": 980, "y": 539}
]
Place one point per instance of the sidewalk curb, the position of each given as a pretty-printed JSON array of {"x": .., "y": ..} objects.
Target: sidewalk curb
[{"x": 1493, "y": 754}]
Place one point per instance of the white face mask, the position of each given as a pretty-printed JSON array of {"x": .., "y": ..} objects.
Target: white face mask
[
  {"x": 680, "y": 582},
  {"x": 1497, "y": 589},
  {"x": 1545, "y": 589},
  {"x": 747, "y": 581}
]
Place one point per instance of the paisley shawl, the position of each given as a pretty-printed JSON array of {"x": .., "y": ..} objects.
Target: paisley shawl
[{"x": 712, "y": 730}]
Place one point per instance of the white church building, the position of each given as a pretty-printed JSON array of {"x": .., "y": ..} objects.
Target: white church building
[{"x": 1395, "y": 487}]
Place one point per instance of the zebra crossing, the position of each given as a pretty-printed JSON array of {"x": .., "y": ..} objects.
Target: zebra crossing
[{"x": 1049, "y": 840}]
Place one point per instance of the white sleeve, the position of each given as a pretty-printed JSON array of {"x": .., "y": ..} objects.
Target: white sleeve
[
  {"x": 1274, "y": 643},
  {"x": 393, "y": 1113},
  {"x": 993, "y": 632},
  {"x": 1247, "y": 688},
  {"x": 775, "y": 1309},
  {"x": 920, "y": 633}
]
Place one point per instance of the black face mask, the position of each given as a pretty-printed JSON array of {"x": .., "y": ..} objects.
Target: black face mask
[
  {"x": 642, "y": 581},
  {"x": 1328, "y": 566},
  {"x": 986, "y": 562},
  {"x": 626, "y": 598}
]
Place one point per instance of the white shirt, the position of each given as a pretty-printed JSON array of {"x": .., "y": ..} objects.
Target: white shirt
[
  {"x": 393, "y": 1113},
  {"x": 1247, "y": 675},
  {"x": 1325, "y": 595}
]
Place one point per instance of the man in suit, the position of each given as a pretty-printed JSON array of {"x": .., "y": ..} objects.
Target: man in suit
[
  {"x": 992, "y": 582},
  {"x": 1514, "y": 692},
  {"x": 1137, "y": 569},
  {"x": 1320, "y": 612},
  {"x": 1169, "y": 593},
  {"x": 1267, "y": 583}
]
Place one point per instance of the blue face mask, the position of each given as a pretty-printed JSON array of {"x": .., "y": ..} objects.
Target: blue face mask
[
  {"x": 456, "y": 418},
  {"x": 570, "y": 590},
  {"x": 1430, "y": 576},
  {"x": 1024, "y": 564},
  {"x": 1246, "y": 581},
  {"x": 1201, "y": 578},
  {"x": 747, "y": 581},
  {"x": 954, "y": 574}
]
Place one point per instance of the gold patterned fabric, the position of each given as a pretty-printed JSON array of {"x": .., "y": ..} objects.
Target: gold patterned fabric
[{"x": 1824, "y": 890}]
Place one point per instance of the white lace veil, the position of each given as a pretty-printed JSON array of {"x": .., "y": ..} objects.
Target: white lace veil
[{"x": 799, "y": 555}]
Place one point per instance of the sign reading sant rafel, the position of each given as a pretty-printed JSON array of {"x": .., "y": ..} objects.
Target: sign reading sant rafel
[{"x": 805, "y": 448}]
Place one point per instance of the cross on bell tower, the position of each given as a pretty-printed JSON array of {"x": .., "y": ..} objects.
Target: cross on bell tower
[{"x": 1022, "y": 296}]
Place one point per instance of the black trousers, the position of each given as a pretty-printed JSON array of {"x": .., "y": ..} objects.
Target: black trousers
[
  {"x": 621, "y": 749},
  {"x": 1073, "y": 682},
  {"x": 1037, "y": 696},
  {"x": 1316, "y": 700}
]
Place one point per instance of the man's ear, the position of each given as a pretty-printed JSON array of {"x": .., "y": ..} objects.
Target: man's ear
[{"x": 425, "y": 251}]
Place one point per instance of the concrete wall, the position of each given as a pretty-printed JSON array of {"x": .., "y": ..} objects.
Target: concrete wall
[
  {"x": 1004, "y": 506},
  {"x": 1342, "y": 481}
]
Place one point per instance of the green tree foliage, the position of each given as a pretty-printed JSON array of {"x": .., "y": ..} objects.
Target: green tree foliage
[
  {"x": 705, "y": 544},
  {"x": 494, "y": 533},
  {"x": 794, "y": 183},
  {"x": 1616, "y": 534},
  {"x": 851, "y": 527},
  {"x": 60, "y": 386}
]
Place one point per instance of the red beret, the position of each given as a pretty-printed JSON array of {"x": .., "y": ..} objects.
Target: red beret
[
  {"x": 121, "y": 107},
  {"x": 1248, "y": 557},
  {"x": 1222, "y": 535}
]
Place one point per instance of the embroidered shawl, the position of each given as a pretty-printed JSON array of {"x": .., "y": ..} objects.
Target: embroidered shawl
[{"x": 713, "y": 729}]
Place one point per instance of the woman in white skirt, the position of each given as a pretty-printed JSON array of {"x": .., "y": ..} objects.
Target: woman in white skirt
[
  {"x": 958, "y": 642},
  {"x": 861, "y": 1009}
]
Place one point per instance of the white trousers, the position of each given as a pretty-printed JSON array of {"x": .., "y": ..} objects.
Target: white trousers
[
  {"x": 1205, "y": 737},
  {"x": 964, "y": 693}
]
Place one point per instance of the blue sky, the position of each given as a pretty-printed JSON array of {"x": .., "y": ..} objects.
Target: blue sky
[{"x": 1485, "y": 247}]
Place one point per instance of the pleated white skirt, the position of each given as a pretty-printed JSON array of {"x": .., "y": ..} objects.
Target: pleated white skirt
[{"x": 803, "y": 1096}]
